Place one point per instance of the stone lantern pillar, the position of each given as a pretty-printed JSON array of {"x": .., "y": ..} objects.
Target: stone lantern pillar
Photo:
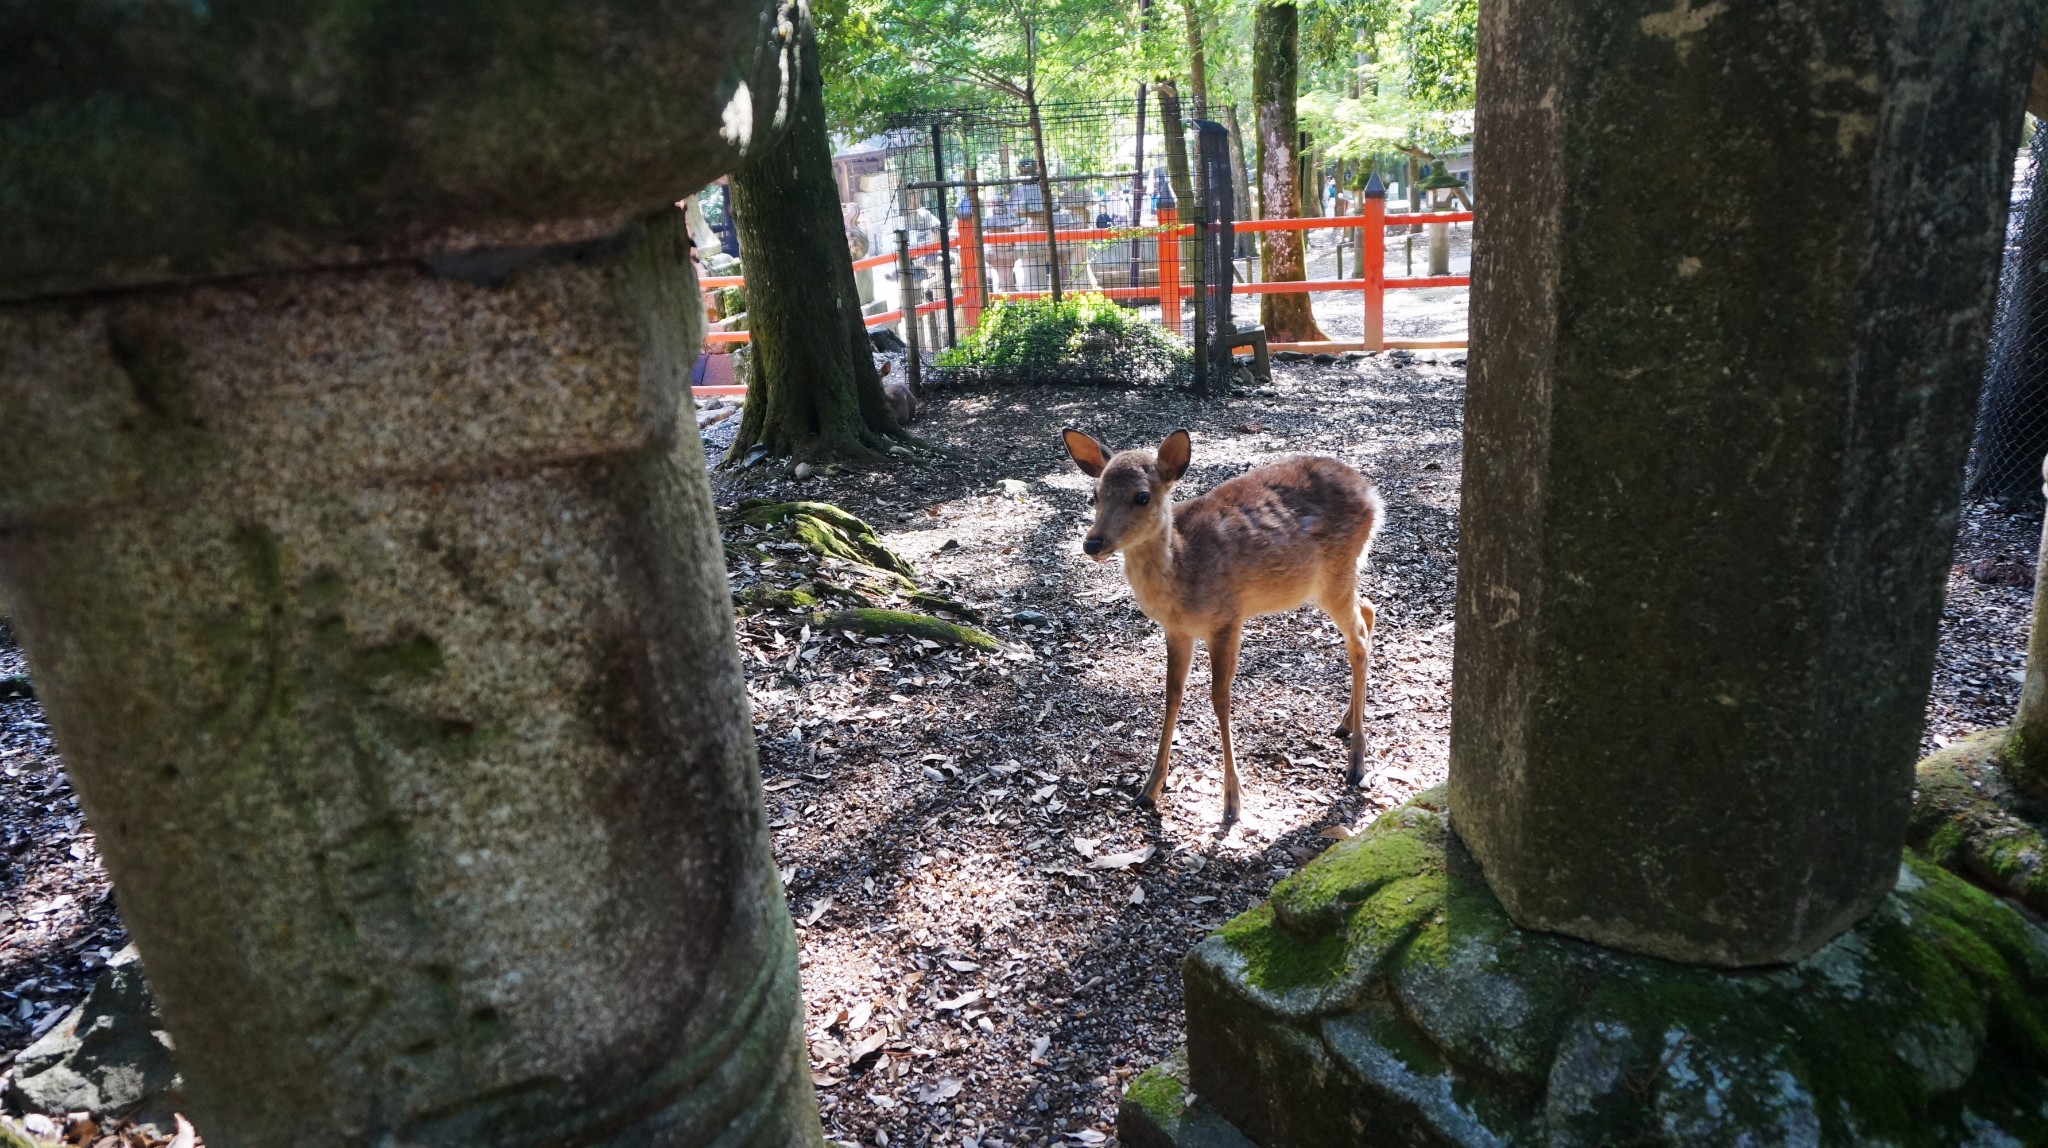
[
  {"x": 375, "y": 598},
  {"x": 1734, "y": 270}
]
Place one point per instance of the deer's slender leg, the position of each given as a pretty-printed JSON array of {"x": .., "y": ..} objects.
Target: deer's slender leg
[
  {"x": 1354, "y": 616},
  {"x": 1223, "y": 668},
  {"x": 1180, "y": 650}
]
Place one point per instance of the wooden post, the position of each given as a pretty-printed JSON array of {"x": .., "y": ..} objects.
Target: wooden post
[
  {"x": 982, "y": 295},
  {"x": 1372, "y": 260},
  {"x": 1169, "y": 268},
  {"x": 907, "y": 287},
  {"x": 971, "y": 286}
]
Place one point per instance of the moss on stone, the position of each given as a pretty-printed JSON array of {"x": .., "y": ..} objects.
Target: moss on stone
[
  {"x": 1318, "y": 898},
  {"x": 1160, "y": 1092},
  {"x": 879, "y": 623},
  {"x": 1925, "y": 1023},
  {"x": 1276, "y": 961}
]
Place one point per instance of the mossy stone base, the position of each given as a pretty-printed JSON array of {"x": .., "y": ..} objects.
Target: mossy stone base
[
  {"x": 1971, "y": 819},
  {"x": 1158, "y": 1111},
  {"x": 1383, "y": 996}
]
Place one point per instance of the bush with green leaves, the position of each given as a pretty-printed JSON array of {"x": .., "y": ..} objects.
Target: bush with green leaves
[{"x": 1080, "y": 339}]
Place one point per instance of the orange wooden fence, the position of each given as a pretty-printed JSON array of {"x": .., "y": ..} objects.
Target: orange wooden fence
[{"x": 1372, "y": 284}]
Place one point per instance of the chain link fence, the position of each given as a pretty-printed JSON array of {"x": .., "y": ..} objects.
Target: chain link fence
[{"x": 2012, "y": 419}]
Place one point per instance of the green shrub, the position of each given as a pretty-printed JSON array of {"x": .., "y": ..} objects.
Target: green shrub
[{"x": 1080, "y": 339}]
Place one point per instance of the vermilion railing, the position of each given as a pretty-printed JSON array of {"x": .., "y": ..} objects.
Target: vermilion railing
[{"x": 1373, "y": 283}]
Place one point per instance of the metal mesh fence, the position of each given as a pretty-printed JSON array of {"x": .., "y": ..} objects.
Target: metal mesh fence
[
  {"x": 966, "y": 185},
  {"x": 2012, "y": 420}
]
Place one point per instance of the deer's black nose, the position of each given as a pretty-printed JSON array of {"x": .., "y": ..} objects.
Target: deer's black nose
[{"x": 1091, "y": 545}]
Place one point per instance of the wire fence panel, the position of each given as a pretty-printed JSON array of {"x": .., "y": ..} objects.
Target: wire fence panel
[
  {"x": 2012, "y": 420},
  {"x": 972, "y": 185}
]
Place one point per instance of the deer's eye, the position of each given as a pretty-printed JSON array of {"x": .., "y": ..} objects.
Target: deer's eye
[{"x": 1141, "y": 498}]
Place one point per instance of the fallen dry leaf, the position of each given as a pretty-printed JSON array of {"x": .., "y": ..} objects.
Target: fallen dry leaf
[
  {"x": 818, "y": 909},
  {"x": 938, "y": 1091},
  {"x": 960, "y": 1002},
  {"x": 1124, "y": 860},
  {"x": 1338, "y": 833}
]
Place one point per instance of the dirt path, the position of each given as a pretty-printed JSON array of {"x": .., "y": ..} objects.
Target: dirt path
[{"x": 973, "y": 976}]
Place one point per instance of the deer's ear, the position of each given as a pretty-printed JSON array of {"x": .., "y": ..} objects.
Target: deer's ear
[
  {"x": 1173, "y": 456},
  {"x": 1088, "y": 454}
]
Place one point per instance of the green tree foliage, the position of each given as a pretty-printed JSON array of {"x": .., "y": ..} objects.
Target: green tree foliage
[{"x": 888, "y": 56}]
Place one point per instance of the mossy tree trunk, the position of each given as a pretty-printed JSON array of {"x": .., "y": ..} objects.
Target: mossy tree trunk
[
  {"x": 1276, "y": 30},
  {"x": 814, "y": 392}
]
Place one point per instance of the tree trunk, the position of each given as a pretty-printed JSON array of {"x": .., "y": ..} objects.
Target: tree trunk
[
  {"x": 1275, "y": 31},
  {"x": 1052, "y": 215},
  {"x": 1174, "y": 134},
  {"x": 1198, "y": 61},
  {"x": 814, "y": 392},
  {"x": 1240, "y": 185}
]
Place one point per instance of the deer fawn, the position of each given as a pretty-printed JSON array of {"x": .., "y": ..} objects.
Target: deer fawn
[{"x": 1266, "y": 541}]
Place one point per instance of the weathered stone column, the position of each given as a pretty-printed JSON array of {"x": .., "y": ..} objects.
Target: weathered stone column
[
  {"x": 1734, "y": 270},
  {"x": 1732, "y": 281},
  {"x": 376, "y": 601}
]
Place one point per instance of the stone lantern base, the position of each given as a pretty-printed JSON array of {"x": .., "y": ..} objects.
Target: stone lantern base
[{"x": 1383, "y": 996}]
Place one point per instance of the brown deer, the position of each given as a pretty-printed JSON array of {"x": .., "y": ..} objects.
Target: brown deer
[{"x": 1266, "y": 541}]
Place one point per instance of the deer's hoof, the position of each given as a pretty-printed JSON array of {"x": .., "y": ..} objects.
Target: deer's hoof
[
  {"x": 1229, "y": 816},
  {"x": 1343, "y": 730},
  {"x": 1354, "y": 771},
  {"x": 1147, "y": 801}
]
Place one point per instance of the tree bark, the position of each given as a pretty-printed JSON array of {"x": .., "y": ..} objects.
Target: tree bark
[
  {"x": 1052, "y": 215},
  {"x": 1198, "y": 61},
  {"x": 1275, "y": 35},
  {"x": 814, "y": 392},
  {"x": 1174, "y": 134}
]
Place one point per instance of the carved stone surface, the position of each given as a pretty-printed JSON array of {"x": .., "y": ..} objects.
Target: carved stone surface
[{"x": 382, "y": 620}]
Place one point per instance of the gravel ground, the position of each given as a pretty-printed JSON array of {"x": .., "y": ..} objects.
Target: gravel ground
[{"x": 989, "y": 950}]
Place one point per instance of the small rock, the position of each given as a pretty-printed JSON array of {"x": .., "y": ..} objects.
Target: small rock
[
  {"x": 109, "y": 1055},
  {"x": 1323, "y": 357},
  {"x": 803, "y": 470},
  {"x": 1031, "y": 618},
  {"x": 1432, "y": 466},
  {"x": 1014, "y": 488},
  {"x": 951, "y": 544}
]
